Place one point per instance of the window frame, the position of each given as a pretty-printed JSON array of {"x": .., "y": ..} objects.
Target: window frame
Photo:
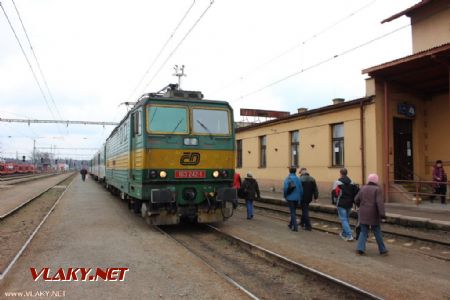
[
  {"x": 297, "y": 147},
  {"x": 239, "y": 152},
  {"x": 192, "y": 108},
  {"x": 262, "y": 151},
  {"x": 341, "y": 141},
  {"x": 188, "y": 121}
]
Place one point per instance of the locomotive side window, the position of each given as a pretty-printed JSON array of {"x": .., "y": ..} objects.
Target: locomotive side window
[
  {"x": 137, "y": 123},
  {"x": 167, "y": 119},
  {"x": 210, "y": 121}
]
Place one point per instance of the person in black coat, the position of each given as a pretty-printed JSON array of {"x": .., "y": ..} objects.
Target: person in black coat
[
  {"x": 310, "y": 191},
  {"x": 251, "y": 190}
]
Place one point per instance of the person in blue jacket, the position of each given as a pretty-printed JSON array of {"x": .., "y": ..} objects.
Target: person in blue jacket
[{"x": 293, "y": 193}]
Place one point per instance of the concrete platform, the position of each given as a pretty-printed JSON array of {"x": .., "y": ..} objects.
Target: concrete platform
[
  {"x": 90, "y": 228},
  {"x": 431, "y": 216},
  {"x": 15, "y": 195}
]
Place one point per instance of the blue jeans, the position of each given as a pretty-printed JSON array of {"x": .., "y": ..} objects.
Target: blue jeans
[
  {"x": 304, "y": 221},
  {"x": 344, "y": 214},
  {"x": 292, "y": 208},
  {"x": 249, "y": 204},
  {"x": 361, "y": 246}
]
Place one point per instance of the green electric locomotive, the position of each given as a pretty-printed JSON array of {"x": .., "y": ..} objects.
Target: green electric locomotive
[{"x": 173, "y": 156}]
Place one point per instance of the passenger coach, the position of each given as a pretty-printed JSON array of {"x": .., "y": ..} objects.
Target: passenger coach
[{"x": 172, "y": 156}]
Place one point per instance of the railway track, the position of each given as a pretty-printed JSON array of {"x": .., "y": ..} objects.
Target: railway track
[
  {"x": 434, "y": 245},
  {"x": 18, "y": 226},
  {"x": 26, "y": 202},
  {"x": 258, "y": 272},
  {"x": 23, "y": 177}
]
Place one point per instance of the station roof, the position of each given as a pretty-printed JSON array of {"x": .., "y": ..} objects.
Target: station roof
[
  {"x": 426, "y": 72},
  {"x": 308, "y": 113},
  {"x": 408, "y": 11}
]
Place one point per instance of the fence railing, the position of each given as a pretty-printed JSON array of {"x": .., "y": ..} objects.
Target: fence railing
[{"x": 418, "y": 186}]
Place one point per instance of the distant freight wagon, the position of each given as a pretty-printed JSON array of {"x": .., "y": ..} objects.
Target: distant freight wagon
[{"x": 172, "y": 157}]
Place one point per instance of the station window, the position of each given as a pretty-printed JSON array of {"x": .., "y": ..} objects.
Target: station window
[
  {"x": 337, "y": 144},
  {"x": 239, "y": 154},
  {"x": 294, "y": 148},
  {"x": 262, "y": 151}
]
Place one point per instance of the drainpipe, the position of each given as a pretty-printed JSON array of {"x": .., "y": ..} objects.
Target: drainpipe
[
  {"x": 363, "y": 154},
  {"x": 386, "y": 143}
]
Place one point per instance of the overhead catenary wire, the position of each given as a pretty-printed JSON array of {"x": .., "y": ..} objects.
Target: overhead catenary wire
[
  {"x": 180, "y": 42},
  {"x": 322, "y": 62},
  {"x": 299, "y": 44},
  {"x": 28, "y": 61},
  {"x": 162, "y": 49},
  {"x": 37, "y": 61}
]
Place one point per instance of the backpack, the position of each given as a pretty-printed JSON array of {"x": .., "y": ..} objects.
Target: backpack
[
  {"x": 243, "y": 190},
  {"x": 291, "y": 187}
]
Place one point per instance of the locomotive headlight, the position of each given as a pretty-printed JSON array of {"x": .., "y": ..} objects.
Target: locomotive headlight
[
  {"x": 163, "y": 174},
  {"x": 215, "y": 174},
  {"x": 190, "y": 141}
]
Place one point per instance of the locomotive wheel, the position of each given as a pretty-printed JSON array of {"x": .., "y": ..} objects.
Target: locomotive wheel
[{"x": 136, "y": 206}]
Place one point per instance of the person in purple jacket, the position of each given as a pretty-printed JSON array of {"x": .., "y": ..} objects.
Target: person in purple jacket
[
  {"x": 440, "y": 181},
  {"x": 371, "y": 211}
]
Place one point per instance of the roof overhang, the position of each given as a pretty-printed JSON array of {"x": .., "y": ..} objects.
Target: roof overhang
[
  {"x": 426, "y": 72},
  {"x": 408, "y": 11}
]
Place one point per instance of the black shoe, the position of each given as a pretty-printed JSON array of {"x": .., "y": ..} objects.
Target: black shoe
[
  {"x": 359, "y": 252},
  {"x": 290, "y": 226},
  {"x": 308, "y": 228},
  {"x": 385, "y": 253},
  {"x": 295, "y": 229}
]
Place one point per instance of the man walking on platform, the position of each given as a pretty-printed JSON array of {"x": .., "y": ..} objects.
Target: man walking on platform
[
  {"x": 83, "y": 173},
  {"x": 293, "y": 193},
  {"x": 309, "y": 191},
  {"x": 251, "y": 192},
  {"x": 344, "y": 192}
]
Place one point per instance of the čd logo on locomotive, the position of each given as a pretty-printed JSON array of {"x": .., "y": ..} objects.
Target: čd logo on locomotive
[{"x": 190, "y": 159}]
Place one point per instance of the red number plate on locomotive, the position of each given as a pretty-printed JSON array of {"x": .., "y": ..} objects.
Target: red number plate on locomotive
[{"x": 190, "y": 174}]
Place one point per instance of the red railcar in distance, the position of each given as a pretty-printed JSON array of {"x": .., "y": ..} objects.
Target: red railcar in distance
[{"x": 12, "y": 168}]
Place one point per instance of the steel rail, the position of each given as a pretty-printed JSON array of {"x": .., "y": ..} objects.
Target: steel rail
[
  {"x": 221, "y": 274},
  {"x": 404, "y": 235},
  {"x": 28, "y": 241},
  {"x": 297, "y": 265},
  {"x": 17, "y": 208}
]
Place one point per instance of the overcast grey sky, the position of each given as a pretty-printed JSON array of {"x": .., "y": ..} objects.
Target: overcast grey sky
[{"x": 94, "y": 53}]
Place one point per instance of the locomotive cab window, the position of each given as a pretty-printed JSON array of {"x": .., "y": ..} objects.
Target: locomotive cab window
[
  {"x": 167, "y": 119},
  {"x": 210, "y": 121}
]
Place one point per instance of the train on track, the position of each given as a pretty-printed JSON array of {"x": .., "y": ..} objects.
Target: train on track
[
  {"x": 16, "y": 168},
  {"x": 172, "y": 157}
]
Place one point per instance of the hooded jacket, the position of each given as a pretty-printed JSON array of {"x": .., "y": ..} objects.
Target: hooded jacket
[{"x": 344, "y": 191}]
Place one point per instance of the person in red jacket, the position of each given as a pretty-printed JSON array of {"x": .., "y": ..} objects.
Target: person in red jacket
[
  {"x": 237, "y": 181},
  {"x": 440, "y": 181}
]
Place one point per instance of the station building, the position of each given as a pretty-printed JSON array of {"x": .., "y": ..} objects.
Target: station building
[{"x": 398, "y": 130}]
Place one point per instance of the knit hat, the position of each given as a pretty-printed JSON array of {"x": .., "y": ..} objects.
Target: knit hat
[
  {"x": 372, "y": 178},
  {"x": 249, "y": 175}
]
